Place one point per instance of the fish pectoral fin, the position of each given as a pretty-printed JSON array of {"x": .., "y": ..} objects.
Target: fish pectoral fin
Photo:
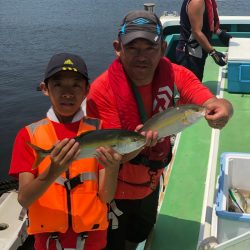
[{"x": 185, "y": 121}]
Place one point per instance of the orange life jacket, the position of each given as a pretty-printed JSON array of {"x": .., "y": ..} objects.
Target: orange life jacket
[{"x": 64, "y": 203}]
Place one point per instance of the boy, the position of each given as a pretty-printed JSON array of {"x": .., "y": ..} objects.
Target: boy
[{"x": 66, "y": 198}]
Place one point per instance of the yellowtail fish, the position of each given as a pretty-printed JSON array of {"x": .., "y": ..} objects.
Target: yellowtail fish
[
  {"x": 122, "y": 141},
  {"x": 174, "y": 120},
  {"x": 239, "y": 203}
]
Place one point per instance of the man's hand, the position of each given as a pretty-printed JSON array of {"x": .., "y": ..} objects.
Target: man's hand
[
  {"x": 219, "y": 111},
  {"x": 224, "y": 37},
  {"x": 151, "y": 141},
  {"x": 151, "y": 136},
  {"x": 218, "y": 57}
]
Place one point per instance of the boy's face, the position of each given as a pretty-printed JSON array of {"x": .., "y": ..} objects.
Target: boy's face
[{"x": 66, "y": 90}]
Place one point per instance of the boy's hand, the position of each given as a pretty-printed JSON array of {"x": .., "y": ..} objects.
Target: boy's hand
[
  {"x": 109, "y": 158},
  {"x": 151, "y": 136},
  {"x": 63, "y": 154}
]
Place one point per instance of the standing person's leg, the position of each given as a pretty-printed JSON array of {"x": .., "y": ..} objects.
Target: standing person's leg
[
  {"x": 118, "y": 225},
  {"x": 136, "y": 222},
  {"x": 142, "y": 221},
  {"x": 196, "y": 65}
]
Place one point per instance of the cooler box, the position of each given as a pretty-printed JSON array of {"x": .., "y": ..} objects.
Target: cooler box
[
  {"x": 234, "y": 173},
  {"x": 239, "y": 65},
  {"x": 241, "y": 242}
]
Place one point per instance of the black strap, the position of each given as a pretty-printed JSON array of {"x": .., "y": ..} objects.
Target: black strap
[
  {"x": 54, "y": 236},
  {"x": 163, "y": 181},
  {"x": 73, "y": 182},
  {"x": 143, "y": 184},
  {"x": 142, "y": 112},
  {"x": 84, "y": 235},
  {"x": 152, "y": 164},
  {"x": 80, "y": 242},
  {"x": 141, "y": 159},
  {"x": 92, "y": 121},
  {"x": 152, "y": 183},
  {"x": 152, "y": 171}
]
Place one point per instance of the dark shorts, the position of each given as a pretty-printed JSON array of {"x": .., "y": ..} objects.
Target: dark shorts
[
  {"x": 196, "y": 65},
  {"x": 136, "y": 222}
]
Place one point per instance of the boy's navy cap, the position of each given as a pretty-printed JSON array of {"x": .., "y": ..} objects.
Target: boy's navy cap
[
  {"x": 65, "y": 61},
  {"x": 140, "y": 24}
]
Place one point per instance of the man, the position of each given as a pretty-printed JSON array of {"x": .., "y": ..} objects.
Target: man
[
  {"x": 199, "y": 20},
  {"x": 138, "y": 84}
]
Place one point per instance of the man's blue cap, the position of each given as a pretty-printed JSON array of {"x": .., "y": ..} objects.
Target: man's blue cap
[{"x": 140, "y": 24}]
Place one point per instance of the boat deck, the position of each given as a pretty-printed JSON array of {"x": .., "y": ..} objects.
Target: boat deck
[{"x": 194, "y": 169}]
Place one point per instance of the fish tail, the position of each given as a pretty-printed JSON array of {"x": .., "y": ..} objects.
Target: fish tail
[{"x": 40, "y": 154}]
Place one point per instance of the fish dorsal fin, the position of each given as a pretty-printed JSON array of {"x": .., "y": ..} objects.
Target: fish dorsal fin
[{"x": 84, "y": 133}]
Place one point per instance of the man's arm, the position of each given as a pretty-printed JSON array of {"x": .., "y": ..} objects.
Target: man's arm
[
  {"x": 193, "y": 91},
  {"x": 195, "y": 11},
  {"x": 190, "y": 88},
  {"x": 100, "y": 103}
]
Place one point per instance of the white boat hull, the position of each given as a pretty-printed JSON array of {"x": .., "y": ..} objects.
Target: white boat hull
[{"x": 12, "y": 223}]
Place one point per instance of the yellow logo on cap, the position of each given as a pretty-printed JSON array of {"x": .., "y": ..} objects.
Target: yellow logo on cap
[
  {"x": 68, "y": 61},
  {"x": 69, "y": 68}
]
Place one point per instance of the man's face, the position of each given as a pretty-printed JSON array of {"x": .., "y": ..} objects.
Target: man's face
[{"x": 140, "y": 59}]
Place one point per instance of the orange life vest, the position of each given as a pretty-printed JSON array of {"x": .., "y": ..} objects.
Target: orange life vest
[{"x": 65, "y": 204}]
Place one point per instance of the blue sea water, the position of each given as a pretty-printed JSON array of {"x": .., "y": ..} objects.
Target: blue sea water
[{"x": 32, "y": 31}]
